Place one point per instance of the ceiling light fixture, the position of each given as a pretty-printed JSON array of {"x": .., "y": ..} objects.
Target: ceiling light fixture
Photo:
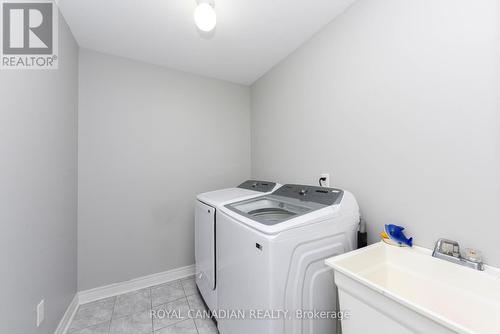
[{"x": 205, "y": 17}]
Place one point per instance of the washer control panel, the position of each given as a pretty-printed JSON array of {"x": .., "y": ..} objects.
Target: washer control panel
[
  {"x": 261, "y": 186},
  {"x": 321, "y": 195}
]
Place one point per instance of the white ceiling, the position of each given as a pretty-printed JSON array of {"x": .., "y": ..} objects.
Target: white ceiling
[{"x": 250, "y": 38}]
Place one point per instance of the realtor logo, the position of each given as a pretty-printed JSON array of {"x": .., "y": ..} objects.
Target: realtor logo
[{"x": 29, "y": 35}]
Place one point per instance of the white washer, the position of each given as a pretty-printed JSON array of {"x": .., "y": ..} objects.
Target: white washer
[
  {"x": 206, "y": 207},
  {"x": 271, "y": 252}
]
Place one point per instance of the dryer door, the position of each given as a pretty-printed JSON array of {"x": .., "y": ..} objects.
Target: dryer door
[{"x": 205, "y": 245}]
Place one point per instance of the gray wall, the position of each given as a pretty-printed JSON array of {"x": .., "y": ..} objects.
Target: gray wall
[
  {"x": 38, "y": 190},
  {"x": 399, "y": 100},
  {"x": 150, "y": 139}
]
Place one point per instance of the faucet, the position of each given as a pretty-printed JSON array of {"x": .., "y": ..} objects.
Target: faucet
[{"x": 449, "y": 250}]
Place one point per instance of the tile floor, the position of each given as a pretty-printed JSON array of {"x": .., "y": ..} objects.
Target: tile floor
[{"x": 130, "y": 313}]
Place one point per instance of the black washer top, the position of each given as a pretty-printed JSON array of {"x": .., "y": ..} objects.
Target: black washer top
[
  {"x": 261, "y": 186},
  {"x": 321, "y": 195}
]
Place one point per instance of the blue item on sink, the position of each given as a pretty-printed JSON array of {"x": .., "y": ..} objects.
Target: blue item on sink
[{"x": 395, "y": 232}]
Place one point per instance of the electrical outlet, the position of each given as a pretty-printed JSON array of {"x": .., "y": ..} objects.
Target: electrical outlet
[
  {"x": 40, "y": 313},
  {"x": 326, "y": 178}
]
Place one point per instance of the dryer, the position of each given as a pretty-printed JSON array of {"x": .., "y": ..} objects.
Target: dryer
[
  {"x": 271, "y": 252},
  {"x": 206, "y": 207}
]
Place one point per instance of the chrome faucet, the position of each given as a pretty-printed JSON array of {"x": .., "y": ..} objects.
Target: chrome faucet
[{"x": 449, "y": 250}]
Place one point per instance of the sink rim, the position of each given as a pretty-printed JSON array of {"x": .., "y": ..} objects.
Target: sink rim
[{"x": 490, "y": 273}]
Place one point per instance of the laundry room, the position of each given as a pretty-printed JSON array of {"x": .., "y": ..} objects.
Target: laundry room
[{"x": 250, "y": 167}]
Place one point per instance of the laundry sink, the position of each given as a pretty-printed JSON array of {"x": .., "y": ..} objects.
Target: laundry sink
[{"x": 388, "y": 289}]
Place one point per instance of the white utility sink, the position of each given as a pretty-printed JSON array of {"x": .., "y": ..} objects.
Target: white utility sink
[{"x": 388, "y": 289}]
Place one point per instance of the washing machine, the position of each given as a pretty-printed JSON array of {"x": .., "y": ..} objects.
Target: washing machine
[
  {"x": 206, "y": 208},
  {"x": 271, "y": 249}
]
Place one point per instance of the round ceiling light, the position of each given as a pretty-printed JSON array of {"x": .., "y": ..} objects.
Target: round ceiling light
[{"x": 205, "y": 17}]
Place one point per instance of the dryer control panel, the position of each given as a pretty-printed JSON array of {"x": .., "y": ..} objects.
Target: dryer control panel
[
  {"x": 321, "y": 195},
  {"x": 255, "y": 185}
]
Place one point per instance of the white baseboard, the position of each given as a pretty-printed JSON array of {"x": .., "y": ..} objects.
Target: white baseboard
[
  {"x": 106, "y": 291},
  {"x": 62, "y": 328}
]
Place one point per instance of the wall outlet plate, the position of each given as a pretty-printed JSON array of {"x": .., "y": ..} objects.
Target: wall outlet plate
[
  {"x": 325, "y": 183},
  {"x": 40, "y": 313}
]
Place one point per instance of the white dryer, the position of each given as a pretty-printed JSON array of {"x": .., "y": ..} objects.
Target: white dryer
[
  {"x": 271, "y": 251},
  {"x": 206, "y": 207}
]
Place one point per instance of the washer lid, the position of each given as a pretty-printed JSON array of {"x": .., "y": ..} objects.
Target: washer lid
[
  {"x": 269, "y": 210},
  {"x": 287, "y": 202}
]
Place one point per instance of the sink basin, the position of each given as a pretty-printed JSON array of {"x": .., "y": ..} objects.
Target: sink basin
[{"x": 405, "y": 290}]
